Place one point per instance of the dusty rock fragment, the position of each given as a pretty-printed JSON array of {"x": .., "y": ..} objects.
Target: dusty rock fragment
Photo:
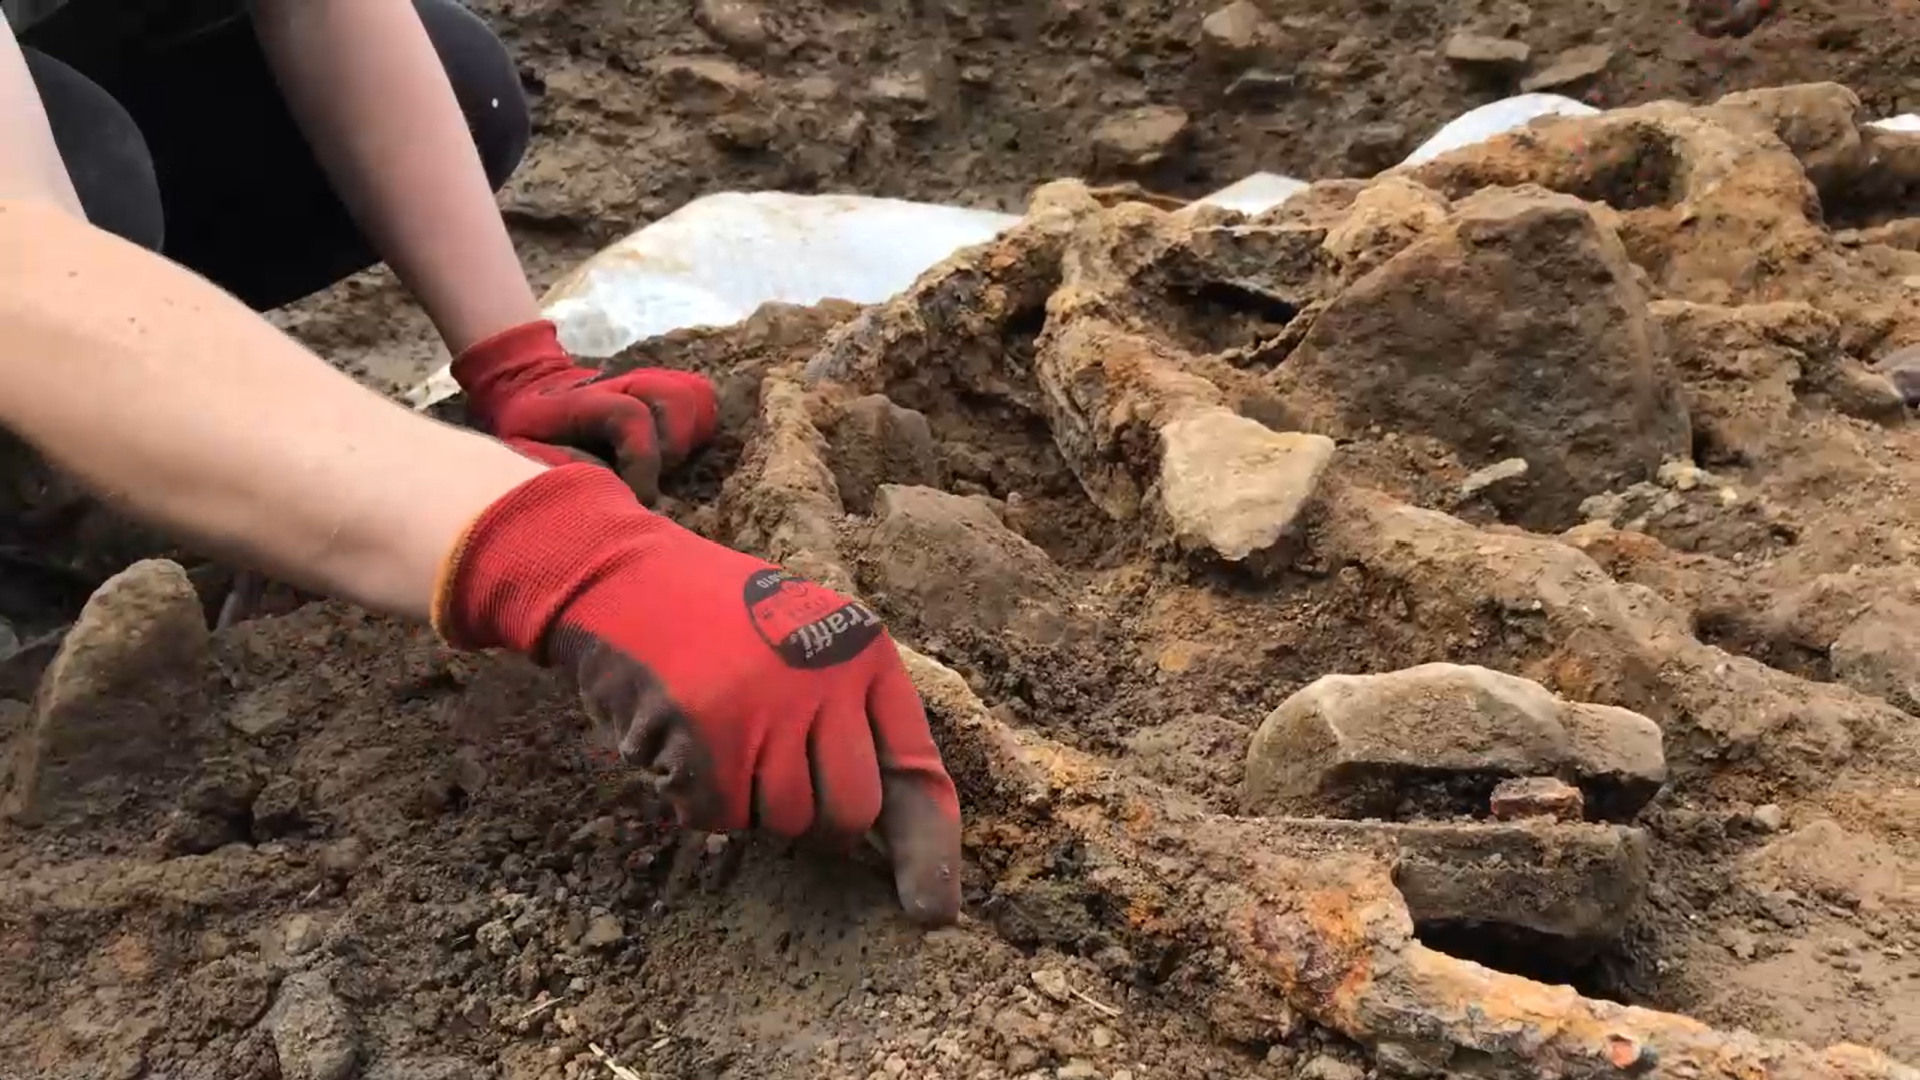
[
  {"x": 1235, "y": 35},
  {"x": 1377, "y": 146},
  {"x": 1324, "y": 1067},
  {"x": 1383, "y": 220},
  {"x": 1869, "y": 395},
  {"x": 1053, "y": 983},
  {"x": 1233, "y": 487},
  {"x": 278, "y": 809},
  {"x": 1349, "y": 744},
  {"x": 115, "y": 705},
  {"x": 427, "y": 1068},
  {"x": 1496, "y": 473},
  {"x": 1518, "y": 329},
  {"x": 876, "y": 442},
  {"x": 603, "y": 931},
  {"x": 737, "y": 24},
  {"x": 704, "y": 84},
  {"x": 344, "y": 857},
  {"x": 1535, "y": 796},
  {"x": 1729, "y": 18},
  {"x": 1500, "y": 56},
  {"x": 1570, "y": 67},
  {"x": 1880, "y": 653},
  {"x": 948, "y": 562},
  {"x": 910, "y": 93},
  {"x": 314, "y": 1034},
  {"x": 1743, "y": 368},
  {"x": 1140, "y": 140},
  {"x": 216, "y": 809},
  {"x": 1902, "y": 368}
]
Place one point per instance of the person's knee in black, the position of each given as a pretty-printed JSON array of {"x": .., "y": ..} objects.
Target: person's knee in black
[
  {"x": 486, "y": 82},
  {"x": 105, "y": 154},
  {"x": 271, "y": 231}
]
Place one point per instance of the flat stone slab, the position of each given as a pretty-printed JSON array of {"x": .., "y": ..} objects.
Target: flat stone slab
[{"x": 1354, "y": 746}]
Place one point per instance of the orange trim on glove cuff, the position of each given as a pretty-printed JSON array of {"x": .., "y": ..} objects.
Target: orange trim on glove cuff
[
  {"x": 438, "y": 615},
  {"x": 523, "y": 559}
]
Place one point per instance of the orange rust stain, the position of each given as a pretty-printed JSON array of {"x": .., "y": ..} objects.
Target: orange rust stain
[
  {"x": 1143, "y": 915},
  {"x": 1334, "y": 922},
  {"x": 1136, "y": 816}
]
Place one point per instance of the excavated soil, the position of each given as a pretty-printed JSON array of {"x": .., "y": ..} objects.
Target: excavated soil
[{"x": 1610, "y": 406}]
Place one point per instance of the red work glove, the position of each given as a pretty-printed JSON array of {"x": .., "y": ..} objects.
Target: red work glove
[
  {"x": 524, "y": 390},
  {"x": 763, "y": 699}
]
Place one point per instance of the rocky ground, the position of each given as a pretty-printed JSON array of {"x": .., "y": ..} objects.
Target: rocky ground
[{"x": 1463, "y": 622}]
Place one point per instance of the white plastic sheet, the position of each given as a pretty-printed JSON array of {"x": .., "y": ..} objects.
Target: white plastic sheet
[
  {"x": 716, "y": 259},
  {"x": 1478, "y": 125}
]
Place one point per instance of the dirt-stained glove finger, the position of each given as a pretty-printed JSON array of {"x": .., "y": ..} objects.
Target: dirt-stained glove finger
[
  {"x": 622, "y": 695},
  {"x": 919, "y": 811},
  {"x": 685, "y": 408},
  {"x": 784, "y": 799},
  {"x": 628, "y": 424},
  {"x": 845, "y": 773},
  {"x": 623, "y": 426},
  {"x": 684, "y": 778}
]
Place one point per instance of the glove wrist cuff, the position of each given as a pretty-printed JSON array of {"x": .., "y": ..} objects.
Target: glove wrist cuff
[
  {"x": 519, "y": 564},
  {"x": 483, "y": 367}
]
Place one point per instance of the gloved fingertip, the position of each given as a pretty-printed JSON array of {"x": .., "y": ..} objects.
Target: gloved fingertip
[
  {"x": 930, "y": 895},
  {"x": 924, "y": 843}
]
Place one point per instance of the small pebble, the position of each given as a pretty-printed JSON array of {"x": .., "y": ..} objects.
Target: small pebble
[
  {"x": 1329, "y": 1068},
  {"x": 302, "y": 935},
  {"x": 603, "y": 931},
  {"x": 1053, "y": 983}
]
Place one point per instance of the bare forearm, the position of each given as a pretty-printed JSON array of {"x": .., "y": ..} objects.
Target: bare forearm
[
  {"x": 179, "y": 405},
  {"x": 368, "y": 90}
]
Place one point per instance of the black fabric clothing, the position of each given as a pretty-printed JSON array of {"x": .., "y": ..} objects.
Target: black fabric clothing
[
  {"x": 102, "y": 29},
  {"x": 183, "y": 144}
]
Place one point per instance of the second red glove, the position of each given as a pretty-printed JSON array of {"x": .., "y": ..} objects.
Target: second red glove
[{"x": 523, "y": 388}]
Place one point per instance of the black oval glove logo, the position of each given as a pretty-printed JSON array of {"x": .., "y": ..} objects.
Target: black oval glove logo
[{"x": 808, "y": 625}]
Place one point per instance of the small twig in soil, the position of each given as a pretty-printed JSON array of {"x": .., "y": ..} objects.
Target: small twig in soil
[
  {"x": 613, "y": 1066},
  {"x": 538, "y": 1009},
  {"x": 1101, "y": 1006}
]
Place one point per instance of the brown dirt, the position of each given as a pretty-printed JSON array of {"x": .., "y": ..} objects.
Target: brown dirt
[{"x": 319, "y": 845}]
